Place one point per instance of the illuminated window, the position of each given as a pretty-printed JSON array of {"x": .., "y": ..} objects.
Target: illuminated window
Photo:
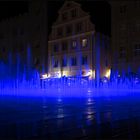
[
  {"x": 74, "y": 44},
  {"x": 84, "y": 60},
  {"x": 73, "y": 61},
  {"x": 84, "y": 43}
]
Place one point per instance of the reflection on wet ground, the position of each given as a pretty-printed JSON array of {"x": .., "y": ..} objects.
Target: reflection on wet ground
[{"x": 86, "y": 118}]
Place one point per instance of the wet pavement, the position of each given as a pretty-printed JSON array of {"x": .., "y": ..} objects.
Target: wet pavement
[{"x": 85, "y": 118}]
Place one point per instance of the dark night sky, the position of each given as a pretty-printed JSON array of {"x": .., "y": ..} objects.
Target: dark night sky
[
  {"x": 12, "y": 8},
  {"x": 99, "y": 10}
]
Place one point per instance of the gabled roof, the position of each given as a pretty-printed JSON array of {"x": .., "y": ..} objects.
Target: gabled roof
[{"x": 67, "y": 5}]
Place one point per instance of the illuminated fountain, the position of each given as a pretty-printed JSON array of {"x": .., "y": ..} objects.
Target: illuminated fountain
[{"x": 22, "y": 79}]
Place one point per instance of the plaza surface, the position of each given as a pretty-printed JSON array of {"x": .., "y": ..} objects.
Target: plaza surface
[{"x": 59, "y": 117}]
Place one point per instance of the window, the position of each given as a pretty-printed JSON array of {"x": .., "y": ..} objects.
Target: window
[
  {"x": 68, "y": 4},
  {"x": 106, "y": 46},
  {"x": 74, "y": 44},
  {"x": 73, "y": 61},
  {"x": 78, "y": 27},
  {"x": 69, "y": 29},
  {"x": 137, "y": 26},
  {"x": 136, "y": 4},
  {"x": 55, "y": 48},
  {"x": 1, "y": 36},
  {"x": 84, "y": 60},
  {"x": 84, "y": 42},
  {"x": 21, "y": 31},
  {"x": 14, "y": 47},
  {"x": 122, "y": 52},
  {"x": 106, "y": 63},
  {"x": 73, "y": 13},
  {"x": 15, "y": 32},
  {"x": 123, "y": 9},
  {"x": 36, "y": 61},
  {"x": 137, "y": 50},
  {"x": 59, "y": 32},
  {"x": 64, "y": 62},
  {"x": 55, "y": 64},
  {"x": 123, "y": 27},
  {"x": 21, "y": 49},
  {"x": 3, "y": 49},
  {"x": 64, "y": 46},
  {"x": 37, "y": 28},
  {"x": 64, "y": 16},
  {"x": 37, "y": 10},
  {"x": 37, "y": 46}
]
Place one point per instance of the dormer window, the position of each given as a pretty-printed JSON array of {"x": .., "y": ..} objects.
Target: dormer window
[
  {"x": 68, "y": 4},
  {"x": 64, "y": 16},
  {"x": 123, "y": 9},
  {"x": 73, "y": 13}
]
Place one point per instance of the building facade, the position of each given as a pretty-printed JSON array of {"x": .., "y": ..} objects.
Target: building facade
[
  {"x": 74, "y": 47},
  {"x": 27, "y": 31},
  {"x": 125, "y": 39}
]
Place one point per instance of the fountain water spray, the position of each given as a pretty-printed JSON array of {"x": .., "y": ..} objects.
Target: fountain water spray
[{"x": 22, "y": 78}]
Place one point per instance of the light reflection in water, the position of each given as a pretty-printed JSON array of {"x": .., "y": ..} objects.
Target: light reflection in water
[
  {"x": 59, "y": 100},
  {"x": 89, "y": 110},
  {"x": 60, "y": 110},
  {"x": 71, "y": 117},
  {"x": 90, "y": 101}
]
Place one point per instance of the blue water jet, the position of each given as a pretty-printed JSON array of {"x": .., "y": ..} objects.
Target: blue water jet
[{"x": 21, "y": 78}]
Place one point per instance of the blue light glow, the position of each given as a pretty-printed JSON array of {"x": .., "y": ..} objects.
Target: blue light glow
[{"x": 22, "y": 79}]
